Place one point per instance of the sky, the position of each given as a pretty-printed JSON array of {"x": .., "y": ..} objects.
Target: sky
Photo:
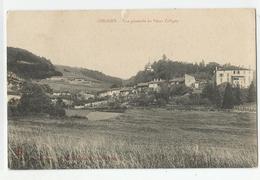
[{"x": 121, "y": 42}]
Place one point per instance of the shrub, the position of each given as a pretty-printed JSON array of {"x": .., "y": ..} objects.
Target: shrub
[
  {"x": 179, "y": 90},
  {"x": 228, "y": 99},
  {"x": 251, "y": 93},
  {"x": 34, "y": 100}
]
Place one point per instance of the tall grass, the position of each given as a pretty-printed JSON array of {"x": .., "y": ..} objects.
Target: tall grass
[
  {"x": 52, "y": 152},
  {"x": 138, "y": 138}
]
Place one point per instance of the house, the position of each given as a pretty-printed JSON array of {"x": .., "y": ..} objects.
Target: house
[
  {"x": 79, "y": 107},
  {"x": 13, "y": 97},
  {"x": 109, "y": 93},
  {"x": 59, "y": 93},
  {"x": 235, "y": 76},
  {"x": 142, "y": 87},
  {"x": 155, "y": 85},
  {"x": 125, "y": 91},
  {"x": 187, "y": 80},
  {"x": 56, "y": 78},
  {"x": 67, "y": 102},
  {"x": 95, "y": 104}
]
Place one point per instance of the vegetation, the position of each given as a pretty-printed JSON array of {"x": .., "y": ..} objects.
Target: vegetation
[
  {"x": 27, "y": 65},
  {"x": 179, "y": 90},
  {"x": 167, "y": 69},
  {"x": 35, "y": 100},
  {"x": 251, "y": 93},
  {"x": 87, "y": 74},
  {"x": 228, "y": 99},
  {"x": 136, "y": 139},
  {"x": 212, "y": 93}
]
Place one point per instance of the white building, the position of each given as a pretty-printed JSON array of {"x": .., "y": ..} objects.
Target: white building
[{"x": 235, "y": 76}]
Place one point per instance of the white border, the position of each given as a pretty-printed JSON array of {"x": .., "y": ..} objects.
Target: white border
[{"x": 116, "y": 173}]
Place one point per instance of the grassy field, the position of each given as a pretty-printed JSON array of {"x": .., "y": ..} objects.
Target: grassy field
[{"x": 139, "y": 138}]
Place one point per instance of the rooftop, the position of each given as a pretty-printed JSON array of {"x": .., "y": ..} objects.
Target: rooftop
[{"x": 142, "y": 84}]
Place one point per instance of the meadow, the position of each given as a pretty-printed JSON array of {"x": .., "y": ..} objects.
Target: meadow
[{"x": 138, "y": 138}]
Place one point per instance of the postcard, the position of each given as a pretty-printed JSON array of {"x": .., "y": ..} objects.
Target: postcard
[{"x": 172, "y": 88}]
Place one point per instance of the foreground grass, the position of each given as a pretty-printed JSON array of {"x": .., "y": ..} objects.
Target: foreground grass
[
  {"x": 137, "y": 139},
  {"x": 51, "y": 154}
]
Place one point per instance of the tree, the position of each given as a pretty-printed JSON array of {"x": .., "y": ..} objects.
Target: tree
[
  {"x": 237, "y": 95},
  {"x": 202, "y": 64},
  {"x": 251, "y": 97},
  {"x": 217, "y": 97},
  {"x": 179, "y": 90},
  {"x": 58, "y": 109},
  {"x": 208, "y": 92},
  {"x": 60, "y": 103},
  {"x": 228, "y": 99},
  {"x": 34, "y": 100},
  {"x": 163, "y": 94},
  {"x": 211, "y": 92},
  {"x": 115, "y": 86}
]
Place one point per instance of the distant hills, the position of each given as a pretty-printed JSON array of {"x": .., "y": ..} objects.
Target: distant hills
[
  {"x": 28, "y": 65},
  {"x": 87, "y": 74},
  {"x": 40, "y": 70}
]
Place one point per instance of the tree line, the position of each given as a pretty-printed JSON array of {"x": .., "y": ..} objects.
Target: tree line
[
  {"x": 226, "y": 96},
  {"x": 167, "y": 69}
]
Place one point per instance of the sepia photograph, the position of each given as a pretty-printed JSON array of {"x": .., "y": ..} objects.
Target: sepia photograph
[{"x": 127, "y": 89}]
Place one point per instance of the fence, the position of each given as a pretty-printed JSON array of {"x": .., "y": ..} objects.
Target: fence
[{"x": 246, "y": 107}]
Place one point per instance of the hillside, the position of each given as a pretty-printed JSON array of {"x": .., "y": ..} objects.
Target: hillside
[
  {"x": 80, "y": 79},
  {"x": 28, "y": 65},
  {"x": 87, "y": 74}
]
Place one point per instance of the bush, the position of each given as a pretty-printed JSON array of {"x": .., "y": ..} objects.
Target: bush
[
  {"x": 34, "y": 100},
  {"x": 251, "y": 93},
  {"x": 182, "y": 100},
  {"x": 228, "y": 99},
  {"x": 57, "y": 111},
  {"x": 179, "y": 90},
  {"x": 194, "y": 99},
  {"x": 197, "y": 99}
]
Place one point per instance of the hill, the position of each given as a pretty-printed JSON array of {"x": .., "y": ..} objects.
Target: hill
[
  {"x": 87, "y": 74},
  {"x": 76, "y": 79},
  {"x": 167, "y": 69},
  {"x": 28, "y": 65}
]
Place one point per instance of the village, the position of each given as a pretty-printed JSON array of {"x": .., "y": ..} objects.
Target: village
[
  {"x": 184, "y": 86},
  {"x": 242, "y": 77}
]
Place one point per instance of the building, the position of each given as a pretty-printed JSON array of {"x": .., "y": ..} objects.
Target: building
[
  {"x": 110, "y": 92},
  {"x": 125, "y": 91},
  {"x": 187, "y": 80},
  {"x": 148, "y": 67},
  {"x": 235, "y": 76},
  {"x": 155, "y": 85},
  {"x": 96, "y": 103},
  {"x": 59, "y": 93},
  {"x": 142, "y": 87}
]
